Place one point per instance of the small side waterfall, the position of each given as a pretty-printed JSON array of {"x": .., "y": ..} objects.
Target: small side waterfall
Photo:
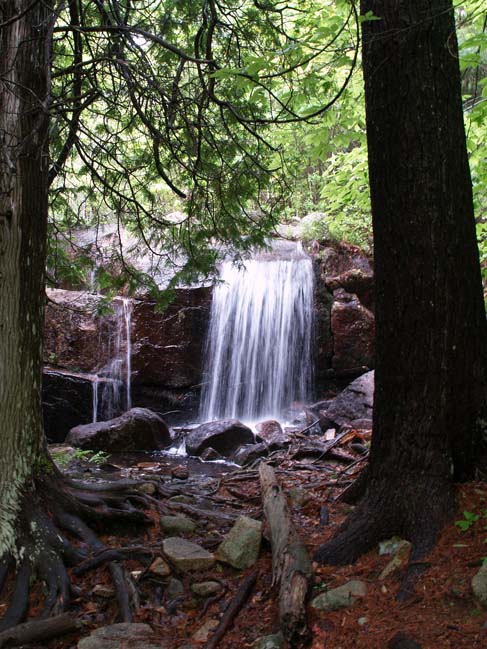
[
  {"x": 259, "y": 346},
  {"x": 116, "y": 394}
]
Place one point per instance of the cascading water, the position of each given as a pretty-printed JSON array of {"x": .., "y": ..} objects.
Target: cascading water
[
  {"x": 259, "y": 347},
  {"x": 117, "y": 374}
]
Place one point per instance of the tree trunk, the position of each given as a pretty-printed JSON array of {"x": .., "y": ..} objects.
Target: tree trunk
[
  {"x": 24, "y": 66},
  {"x": 430, "y": 322}
]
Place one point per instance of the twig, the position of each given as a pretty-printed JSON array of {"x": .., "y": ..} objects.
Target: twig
[{"x": 233, "y": 608}]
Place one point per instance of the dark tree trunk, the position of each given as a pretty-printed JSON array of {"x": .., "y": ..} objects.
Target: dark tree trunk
[{"x": 430, "y": 322}]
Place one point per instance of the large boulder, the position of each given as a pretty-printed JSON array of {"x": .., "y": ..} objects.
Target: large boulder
[
  {"x": 353, "y": 404},
  {"x": 138, "y": 429},
  {"x": 224, "y": 436},
  {"x": 353, "y": 330}
]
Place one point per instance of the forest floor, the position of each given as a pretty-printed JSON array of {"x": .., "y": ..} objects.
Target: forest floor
[{"x": 442, "y": 613}]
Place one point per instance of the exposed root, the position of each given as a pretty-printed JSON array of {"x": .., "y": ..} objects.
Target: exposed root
[{"x": 60, "y": 505}]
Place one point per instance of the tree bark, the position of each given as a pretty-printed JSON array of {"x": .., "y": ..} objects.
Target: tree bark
[
  {"x": 24, "y": 94},
  {"x": 431, "y": 338}
]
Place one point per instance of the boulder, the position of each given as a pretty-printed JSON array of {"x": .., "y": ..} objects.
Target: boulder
[
  {"x": 248, "y": 453},
  {"x": 353, "y": 331},
  {"x": 186, "y": 555},
  {"x": 136, "y": 430},
  {"x": 223, "y": 436},
  {"x": 355, "y": 402},
  {"x": 123, "y": 635},
  {"x": 271, "y": 433},
  {"x": 240, "y": 548},
  {"x": 341, "y": 597}
]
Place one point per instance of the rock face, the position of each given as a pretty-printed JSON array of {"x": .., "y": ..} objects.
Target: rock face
[
  {"x": 353, "y": 328},
  {"x": 352, "y": 405},
  {"x": 137, "y": 429},
  {"x": 344, "y": 310},
  {"x": 223, "y": 436},
  {"x": 167, "y": 348},
  {"x": 68, "y": 401}
]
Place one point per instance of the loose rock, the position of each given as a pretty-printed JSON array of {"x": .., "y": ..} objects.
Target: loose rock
[
  {"x": 177, "y": 524},
  {"x": 206, "y": 588},
  {"x": 186, "y": 555},
  {"x": 341, "y": 597},
  {"x": 479, "y": 585},
  {"x": 275, "y": 641},
  {"x": 115, "y": 636},
  {"x": 241, "y": 546}
]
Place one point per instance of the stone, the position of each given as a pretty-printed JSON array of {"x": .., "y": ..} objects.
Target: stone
[
  {"x": 122, "y": 636},
  {"x": 177, "y": 524},
  {"x": 160, "y": 567},
  {"x": 224, "y": 436},
  {"x": 187, "y": 555},
  {"x": 299, "y": 496},
  {"x": 353, "y": 331},
  {"x": 204, "y": 632},
  {"x": 248, "y": 453},
  {"x": 479, "y": 585},
  {"x": 354, "y": 402},
  {"x": 241, "y": 546},
  {"x": 341, "y": 597},
  {"x": 137, "y": 429},
  {"x": 271, "y": 433},
  {"x": 206, "y": 588},
  {"x": 362, "y": 621},
  {"x": 175, "y": 588},
  {"x": 393, "y": 545},
  {"x": 209, "y": 455},
  {"x": 274, "y": 641}
]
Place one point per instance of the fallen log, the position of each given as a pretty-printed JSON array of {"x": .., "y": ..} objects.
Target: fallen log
[{"x": 291, "y": 565}]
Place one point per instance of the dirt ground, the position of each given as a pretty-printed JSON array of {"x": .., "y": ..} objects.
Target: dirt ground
[{"x": 442, "y": 613}]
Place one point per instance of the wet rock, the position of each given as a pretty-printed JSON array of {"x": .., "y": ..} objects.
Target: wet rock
[
  {"x": 137, "y": 429},
  {"x": 180, "y": 472},
  {"x": 249, "y": 453},
  {"x": 353, "y": 330},
  {"x": 271, "y": 433},
  {"x": 206, "y": 588},
  {"x": 224, "y": 436},
  {"x": 357, "y": 281},
  {"x": 479, "y": 585},
  {"x": 355, "y": 402},
  {"x": 275, "y": 641},
  {"x": 210, "y": 454},
  {"x": 241, "y": 546},
  {"x": 186, "y": 555},
  {"x": 177, "y": 524},
  {"x": 341, "y": 597},
  {"x": 126, "y": 635}
]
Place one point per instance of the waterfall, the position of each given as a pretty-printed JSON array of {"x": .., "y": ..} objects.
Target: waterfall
[
  {"x": 94, "y": 388},
  {"x": 259, "y": 346},
  {"x": 119, "y": 369}
]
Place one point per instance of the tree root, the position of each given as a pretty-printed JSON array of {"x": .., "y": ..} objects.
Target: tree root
[{"x": 54, "y": 506}]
